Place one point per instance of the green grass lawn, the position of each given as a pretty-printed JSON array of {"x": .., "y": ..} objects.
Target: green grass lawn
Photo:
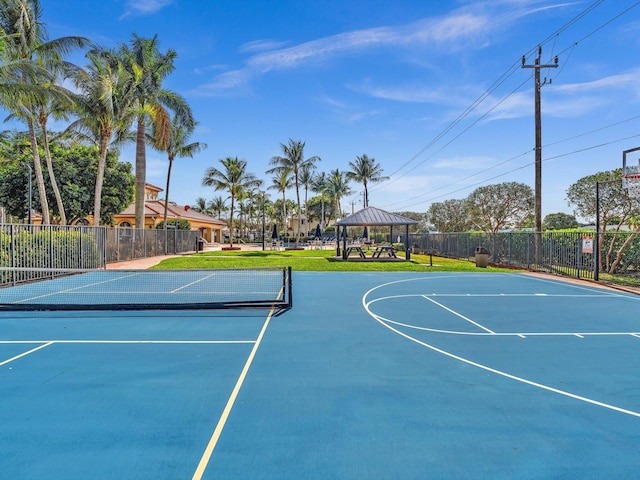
[{"x": 318, "y": 261}]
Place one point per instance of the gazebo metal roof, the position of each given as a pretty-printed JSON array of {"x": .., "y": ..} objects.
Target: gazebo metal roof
[{"x": 371, "y": 216}]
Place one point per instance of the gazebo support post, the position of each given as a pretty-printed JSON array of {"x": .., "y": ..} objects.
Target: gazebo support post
[
  {"x": 344, "y": 242},
  {"x": 407, "y": 248}
]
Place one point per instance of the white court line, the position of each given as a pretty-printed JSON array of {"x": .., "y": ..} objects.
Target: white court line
[
  {"x": 192, "y": 283},
  {"x": 458, "y": 314},
  {"x": 25, "y": 353},
  {"x": 208, "y": 451},
  {"x": 133, "y": 342},
  {"x": 496, "y": 334},
  {"x": 378, "y": 319}
]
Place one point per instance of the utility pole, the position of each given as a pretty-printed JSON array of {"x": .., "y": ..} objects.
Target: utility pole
[{"x": 538, "y": 121}]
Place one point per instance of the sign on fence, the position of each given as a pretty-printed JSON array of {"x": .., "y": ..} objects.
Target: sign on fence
[{"x": 587, "y": 244}]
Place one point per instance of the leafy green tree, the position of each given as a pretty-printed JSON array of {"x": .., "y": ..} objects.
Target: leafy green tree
[
  {"x": 449, "y": 216},
  {"x": 560, "y": 221},
  {"x": 233, "y": 178},
  {"x": 616, "y": 210},
  {"x": 503, "y": 205},
  {"x": 292, "y": 159},
  {"x": 76, "y": 168},
  {"x": 365, "y": 170},
  {"x": 180, "y": 224}
]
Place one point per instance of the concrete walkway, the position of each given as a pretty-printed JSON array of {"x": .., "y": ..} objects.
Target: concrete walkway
[{"x": 139, "y": 263}]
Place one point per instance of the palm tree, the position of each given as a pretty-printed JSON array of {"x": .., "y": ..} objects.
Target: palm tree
[
  {"x": 234, "y": 178},
  {"x": 105, "y": 109},
  {"x": 202, "y": 206},
  {"x": 178, "y": 146},
  {"x": 148, "y": 68},
  {"x": 306, "y": 176},
  {"x": 319, "y": 184},
  {"x": 337, "y": 188},
  {"x": 218, "y": 205},
  {"x": 293, "y": 160},
  {"x": 282, "y": 181},
  {"x": 25, "y": 41},
  {"x": 365, "y": 170}
]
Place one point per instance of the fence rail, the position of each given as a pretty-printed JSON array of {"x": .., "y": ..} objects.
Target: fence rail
[
  {"x": 34, "y": 252},
  {"x": 563, "y": 253}
]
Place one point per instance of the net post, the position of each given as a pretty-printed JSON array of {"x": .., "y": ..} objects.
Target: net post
[{"x": 290, "y": 281}]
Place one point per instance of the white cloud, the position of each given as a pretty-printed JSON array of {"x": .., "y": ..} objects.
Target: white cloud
[{"x": 144, "y": 7}]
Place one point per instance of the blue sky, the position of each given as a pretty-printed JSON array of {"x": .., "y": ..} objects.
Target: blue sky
[{"x": 434, "y": 91}]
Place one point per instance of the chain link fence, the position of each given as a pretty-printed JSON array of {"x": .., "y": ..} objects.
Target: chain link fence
[
  {"x": 565, "y": 253},
  {"x": 34, "y": 252}
]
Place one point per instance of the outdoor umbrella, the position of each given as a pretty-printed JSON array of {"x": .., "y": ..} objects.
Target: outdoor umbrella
[
  {"x": 365, "y": 233},
  {"x": 318, "y": 232},
  {"x": 274, "y": 234}
]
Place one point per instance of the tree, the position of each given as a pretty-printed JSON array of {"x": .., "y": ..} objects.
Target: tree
[
  {"x": 365, "y": 170},
  {"x": 616, "y": 209},
  {"x": 234, "y": 178},
  {"x": 560, "y": 221},
  {"x": 178, "y": 146},
  {"x": 148, "y": 68},
  {"x": 218, "y": 205},
  {"x": 281, "y": 181},
  {"x": 105, "y": 109},
  {"x": 293, "y": 160},
  {"x": 319, "y": 184},
  {"x": 337, "y": 188},
  {"x": 25, "y": 40},
  {"x": 76, "y": 168},
  {"x": 449, "y": 216},
  {"x": 504, "y": 205}
]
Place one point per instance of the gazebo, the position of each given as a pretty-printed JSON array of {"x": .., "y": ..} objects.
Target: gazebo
[{"x": 372, "y": 217}]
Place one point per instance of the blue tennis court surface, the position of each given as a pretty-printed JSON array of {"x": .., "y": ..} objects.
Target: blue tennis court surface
[{"x": 369, "y": 376}]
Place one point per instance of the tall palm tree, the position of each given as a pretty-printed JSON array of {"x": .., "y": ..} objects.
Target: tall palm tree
[
  {"x": 365, "y": 170},
  {"x": 319, "y": 184},
  {"x": 105, "y": 108},
  {"x": 282, "y": 181},
  {"x": 178, "y": 146},
  {"x": 218, "y": 205},
  {"x": 148, "y": 68},
  {"x": 26, "y": 41},
  {"x": 234, "y": 178},
  {"x": 337, "y": 188},
  {"x": 306, "y": 176},
  {"x": 293, "y": 159}
]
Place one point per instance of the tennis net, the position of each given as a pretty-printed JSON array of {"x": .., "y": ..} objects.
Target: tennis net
[{"x": 259, "y": 287}]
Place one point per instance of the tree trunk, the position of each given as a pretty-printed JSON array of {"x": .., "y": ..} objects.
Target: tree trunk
[
  {"x": 141, "y": 172},
  {"x": 102, "y": 161},
  {"x": 52, "y": 177},
  {"x": 37, "y": 168},
  {"x": 166, "y": 195}
]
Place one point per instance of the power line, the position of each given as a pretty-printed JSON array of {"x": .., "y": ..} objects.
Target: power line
[{"x": 493, "y": 87}]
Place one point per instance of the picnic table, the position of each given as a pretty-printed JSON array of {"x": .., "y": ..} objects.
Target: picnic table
[{"x": 387, "y": 250}]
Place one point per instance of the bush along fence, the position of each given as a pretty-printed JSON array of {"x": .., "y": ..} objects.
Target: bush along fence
[
  {"x": 565, "y": 253},
  {"x": 35, "y": 252}
]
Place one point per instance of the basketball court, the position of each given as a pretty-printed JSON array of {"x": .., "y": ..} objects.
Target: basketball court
[{"x": 369, "y": 375}]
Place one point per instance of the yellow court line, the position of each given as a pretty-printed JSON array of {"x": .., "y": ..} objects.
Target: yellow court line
[
  {"x": 26, "y": 353},
  {"x": 206, "y": 456}
]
